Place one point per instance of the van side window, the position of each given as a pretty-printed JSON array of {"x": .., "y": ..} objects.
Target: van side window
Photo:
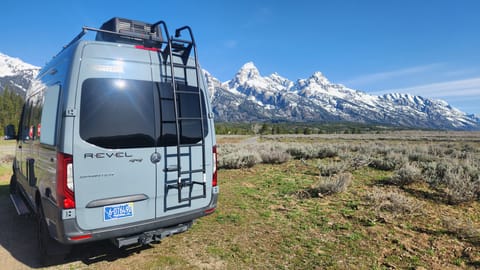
[
  {"x": 48, "y": 122},
  {"x": 25, "y": 122},
  {"x": 37, "y": 106}
]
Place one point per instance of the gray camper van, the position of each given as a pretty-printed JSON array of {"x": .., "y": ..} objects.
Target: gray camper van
[{"x": 116, "y": 139}]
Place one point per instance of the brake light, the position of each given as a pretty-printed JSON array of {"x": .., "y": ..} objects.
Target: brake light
[
  {"x": 65, "y": 189},
  {"x": 141, "y": 47},
  {"x": 214, "y": 180}
]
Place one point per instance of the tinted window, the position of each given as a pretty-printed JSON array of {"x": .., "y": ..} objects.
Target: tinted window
[
  {"x": 121, "y": 114},
  {"x": 190, "y": 122},
  {"x": 30, "y": 123},
  {"x": 49, "y": 115},
  {"x": 117, "y": 113}
]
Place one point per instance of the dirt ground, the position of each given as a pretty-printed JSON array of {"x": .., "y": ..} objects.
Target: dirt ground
[{"x": 18, "y": 246}]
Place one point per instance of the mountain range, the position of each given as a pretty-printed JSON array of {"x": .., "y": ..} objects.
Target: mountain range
[
  {"x": 16, "y": 74},
  {"x": 249, "y": 96}
]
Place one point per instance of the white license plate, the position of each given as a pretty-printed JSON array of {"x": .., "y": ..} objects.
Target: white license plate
[{"x": 118, "y": 211}]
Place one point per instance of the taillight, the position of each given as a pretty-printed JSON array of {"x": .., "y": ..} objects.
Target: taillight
[
  {"x": 80, "y": 237},
  {"x": 214, "y": 180},
  {"x": 65, "y": 189}
]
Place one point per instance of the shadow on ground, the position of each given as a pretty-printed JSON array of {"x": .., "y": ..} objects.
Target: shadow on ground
[{"x": 18, "y": 243}]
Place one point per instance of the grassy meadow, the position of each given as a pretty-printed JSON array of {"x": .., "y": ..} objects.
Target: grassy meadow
[{"x": 400, "y": 200}]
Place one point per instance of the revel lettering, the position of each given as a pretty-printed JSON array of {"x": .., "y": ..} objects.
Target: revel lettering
[{"x": 107, "y": 155}]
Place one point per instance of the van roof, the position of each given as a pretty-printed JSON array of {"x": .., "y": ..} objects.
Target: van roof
[{"x": 143, "y": 35}]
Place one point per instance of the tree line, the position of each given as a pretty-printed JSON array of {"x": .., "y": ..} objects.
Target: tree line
[
  {"x": 10, "y": 109},
  {"x": 306, "y": 128}
]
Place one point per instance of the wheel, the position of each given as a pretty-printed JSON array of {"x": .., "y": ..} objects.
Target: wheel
[{"x": 50, "y": 250}]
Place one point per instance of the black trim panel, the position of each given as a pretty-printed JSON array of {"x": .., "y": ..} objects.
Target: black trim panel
[{"x": 117, "y": 200}]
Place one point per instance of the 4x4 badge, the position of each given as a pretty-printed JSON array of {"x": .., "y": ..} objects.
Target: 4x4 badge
[{"x": 155, "y": 157}]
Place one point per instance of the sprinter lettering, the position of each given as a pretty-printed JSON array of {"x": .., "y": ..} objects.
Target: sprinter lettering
[{"x": 107, "y": 155}]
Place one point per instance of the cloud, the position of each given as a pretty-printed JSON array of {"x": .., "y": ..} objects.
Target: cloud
[
  {"x": 389, "y": 75},
  {"x": 258, "y": 17},
  {"x": 457, "y": 88},
  {"x": 230, "y": 44}
]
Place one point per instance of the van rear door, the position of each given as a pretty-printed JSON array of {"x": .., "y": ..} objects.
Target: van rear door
[
  {"x": 134, "y": 157},
  {"x": 114, "y": 137},
  {"x": 184, "y": 139}
]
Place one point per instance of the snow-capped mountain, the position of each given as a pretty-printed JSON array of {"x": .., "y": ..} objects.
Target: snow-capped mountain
[
  {"x": 252, "y": 97},
  {"x": 16, "y": 74}
]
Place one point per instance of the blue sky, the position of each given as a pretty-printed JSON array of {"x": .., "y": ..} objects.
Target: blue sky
[{"x": 429, "y": 48}]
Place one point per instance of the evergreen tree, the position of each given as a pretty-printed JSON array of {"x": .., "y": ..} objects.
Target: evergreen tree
[{"x": 10, "y": 108}]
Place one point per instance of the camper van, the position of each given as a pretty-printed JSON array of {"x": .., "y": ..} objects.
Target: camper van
[{"x": 116, "y": 139}]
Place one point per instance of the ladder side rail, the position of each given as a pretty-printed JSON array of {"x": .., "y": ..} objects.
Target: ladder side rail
[
  {"x": 163, "y": 24},
  {"x": 197, "y": 72},
  {"x": 202, "y": 116},
  {"x": 177, "y": 127}
]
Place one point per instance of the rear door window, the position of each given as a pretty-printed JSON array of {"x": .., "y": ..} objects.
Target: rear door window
[
  {"x": 116, "y": 113},
  {"x": 190, "y": 108}
]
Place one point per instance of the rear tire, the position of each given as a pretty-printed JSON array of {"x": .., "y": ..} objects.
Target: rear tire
[{"x": 50, "y": 251}]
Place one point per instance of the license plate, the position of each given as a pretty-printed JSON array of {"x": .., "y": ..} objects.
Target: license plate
[{"x": 118, "y": 211}]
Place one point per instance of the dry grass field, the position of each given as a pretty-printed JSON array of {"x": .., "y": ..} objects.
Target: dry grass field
[{"x": 403, "y": 200}]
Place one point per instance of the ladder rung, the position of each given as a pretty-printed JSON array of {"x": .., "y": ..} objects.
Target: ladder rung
[
  {"x": 190, "y": 118},
  {"x": 183, "y": 66},
  {"x": 181, "y": 41},
  {"x": 188, "y": 92},
  {"x": 192, "y": 171}
]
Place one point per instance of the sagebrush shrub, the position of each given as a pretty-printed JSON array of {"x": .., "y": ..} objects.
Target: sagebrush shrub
[
  {"x": 273, "y": 153},
  {"x": 332, "y": 167},
  {"x": 389, "y": 162},
  {"x": 300, "y": 151},
  {"x": 458, "y": 180},
  {"x": 462, "y": 229},
  {"x": 243, "y": 158},
  {"x": 406, "y": 175},
  {"x": 358, "y": 160},
  {"x": 334, "y": 184},
  {"x": 309, "y": 151},
  {"x": 393, "y": 202}
]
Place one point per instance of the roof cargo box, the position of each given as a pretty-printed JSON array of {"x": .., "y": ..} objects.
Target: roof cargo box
[{"x": 130, "y": 32}]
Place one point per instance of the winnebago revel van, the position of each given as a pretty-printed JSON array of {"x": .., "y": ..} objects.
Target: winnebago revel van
[{"x": 116, "y": 139}]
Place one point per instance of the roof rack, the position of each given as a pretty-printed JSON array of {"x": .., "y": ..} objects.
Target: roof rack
[{"x": 120, "y": 30}]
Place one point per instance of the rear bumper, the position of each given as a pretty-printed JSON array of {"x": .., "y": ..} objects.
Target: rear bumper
[{"x": 67, "y": 231}]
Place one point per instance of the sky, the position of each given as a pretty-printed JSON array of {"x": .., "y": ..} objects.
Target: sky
[{"x": 429, "y": 48}]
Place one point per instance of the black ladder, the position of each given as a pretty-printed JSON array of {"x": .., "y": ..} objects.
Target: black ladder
[{"x": 185, "y": 51}]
